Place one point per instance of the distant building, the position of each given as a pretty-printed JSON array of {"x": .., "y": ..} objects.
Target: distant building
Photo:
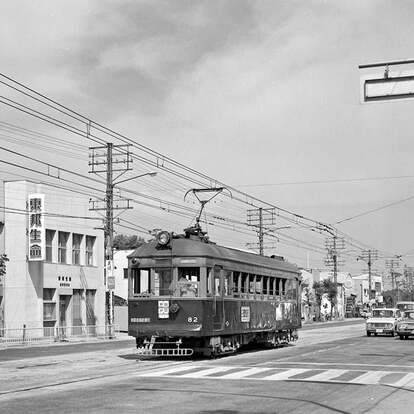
[
  {"x": 54, "y": 276},
  {"x": 361, "y": 289},
  {"x": 345, "y": 289}
]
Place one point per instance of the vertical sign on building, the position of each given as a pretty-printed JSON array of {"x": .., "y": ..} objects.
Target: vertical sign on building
[{"x": 36, "y": 205}]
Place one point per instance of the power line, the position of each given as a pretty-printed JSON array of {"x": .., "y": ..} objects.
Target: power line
[
  {"x": 394, "y": 203},
  {"x": 336, "y": 180}
]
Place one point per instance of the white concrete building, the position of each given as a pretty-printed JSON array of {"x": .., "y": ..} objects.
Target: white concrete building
[
  {"x": 361, "y": 288},
  {"x": 121, "y": 273},
  {"x": 66, "y": 287}
]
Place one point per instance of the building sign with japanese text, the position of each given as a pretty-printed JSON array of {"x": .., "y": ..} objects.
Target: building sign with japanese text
[{"x": 36, "y": 206}]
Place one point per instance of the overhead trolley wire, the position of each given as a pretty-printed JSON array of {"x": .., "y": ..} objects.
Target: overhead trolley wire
[{"x": 125, "y": 139}]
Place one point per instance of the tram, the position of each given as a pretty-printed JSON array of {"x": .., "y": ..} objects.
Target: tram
[{"x": 189, "y": 295}]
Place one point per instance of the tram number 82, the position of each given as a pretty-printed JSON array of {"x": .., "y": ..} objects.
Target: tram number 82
[{"x": 192, "y": 319}]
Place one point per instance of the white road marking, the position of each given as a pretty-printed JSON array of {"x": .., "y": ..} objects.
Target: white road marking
[
  {"x": 335, "y": 363},
  {"x": 162, "y": 372},
  {"x": 328, "y": 375},
  {"x": 371, "y": 377},
  {"x": 244, "y": 373},
  {"x": 205, "y": 372},
  {"x": 280, "y": 376},
  {"x": 406, "y": 381}
]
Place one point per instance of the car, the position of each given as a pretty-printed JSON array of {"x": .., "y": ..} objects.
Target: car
[
  {"x": 405, "y": 327},
  {"x": 383, "y": 321},
  {"x": 365, "y": 313}
]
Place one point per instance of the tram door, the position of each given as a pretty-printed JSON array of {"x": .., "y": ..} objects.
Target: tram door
[{"x": 218, "y": 305}]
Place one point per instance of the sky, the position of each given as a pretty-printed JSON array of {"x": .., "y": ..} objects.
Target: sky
[{"x": 261, "y": 95}]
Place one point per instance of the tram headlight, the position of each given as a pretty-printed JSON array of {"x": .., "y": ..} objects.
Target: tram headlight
[{"x": 163, "y": 237}]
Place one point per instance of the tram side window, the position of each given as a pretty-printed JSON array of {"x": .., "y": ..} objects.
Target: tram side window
[
  {"x": 259, "y": 281},
  {"x": 236, "y": 276},
  {"x": 272, "y": 286},
  {"x": 163, "y": 282},
  {"x": 265, "y": 284},
  {"x": 277, "y": 285},
  {"x": 227, "y": 281},
  {"x": 244, "y": 282},
  {"x": 252, "y": 286},
  {"x": 141, "y": 281},
  {"x": 188, "y": 282},
  {"x": 282, "y": 287},
  {"x": 291, "y": 288},
  {"x": 217, "y": 283},
  {"x": 208, "y": 280}
]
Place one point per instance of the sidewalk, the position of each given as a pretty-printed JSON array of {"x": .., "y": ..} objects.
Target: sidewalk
[{"x": 74, "y": 340}]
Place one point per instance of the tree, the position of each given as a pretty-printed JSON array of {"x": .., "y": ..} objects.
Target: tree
[
  {"x": 319, "y": 292},
  {"x": 3, "y": 260},
  {"x": 308, "y": 297},
  {"x": 125, "y": 242},
  {"x": 331, "y": 290}
]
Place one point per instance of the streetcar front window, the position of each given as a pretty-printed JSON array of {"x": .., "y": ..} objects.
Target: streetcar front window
[
  {"x": 140, "y": 281},
  {"x": 188, "y": 282},
  {"x": 163, "y": 282}
]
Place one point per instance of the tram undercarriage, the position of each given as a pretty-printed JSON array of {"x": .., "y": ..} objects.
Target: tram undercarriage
[{"x": 213, "y": 346}]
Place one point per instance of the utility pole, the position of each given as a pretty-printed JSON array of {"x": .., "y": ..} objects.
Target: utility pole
[
  {"x": 369, "y": 256},
  {"x": 259, "y": 217},
  {"x": 334, "y": 245},
  {"x": 102, "y": 160},
  {"x": 392, "y": 264}
]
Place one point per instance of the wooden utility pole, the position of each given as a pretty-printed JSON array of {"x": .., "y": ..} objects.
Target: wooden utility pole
[
  {"x": 109, "y": 159},
  {"x": 369, "y": 256}
]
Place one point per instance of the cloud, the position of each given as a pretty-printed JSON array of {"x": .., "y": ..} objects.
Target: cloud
[{"x": 131, "y": 53}]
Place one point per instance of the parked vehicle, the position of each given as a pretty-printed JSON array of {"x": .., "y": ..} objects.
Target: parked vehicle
[
  {"x": 365, "y": 313},
  {"x": 404, "y": 306},
  {"x": 405, "y": 327},
  {"x": 383, "y": 321}
]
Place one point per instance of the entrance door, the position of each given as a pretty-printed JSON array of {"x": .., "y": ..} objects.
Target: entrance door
[
  {"x": 218, "y": 306},
  {"x": 63, "y": 310}
]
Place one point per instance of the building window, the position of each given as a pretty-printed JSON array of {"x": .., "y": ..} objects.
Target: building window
[
  {"x": 90, "y": 242},
  {"x": 76, "y": 245},
  {"x": 49, "y": 311},
  {"x": 90, "y": 307},
  {"x": 125, "y": 273},
  {"x": 50, "y": 235},
  {"x": 62, "y": 246}
]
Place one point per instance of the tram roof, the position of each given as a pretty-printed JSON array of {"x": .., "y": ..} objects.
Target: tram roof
[{"x": 187, "y": 247}]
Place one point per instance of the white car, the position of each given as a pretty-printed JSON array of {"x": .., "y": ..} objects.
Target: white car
[{"x": 383, "y": 321}]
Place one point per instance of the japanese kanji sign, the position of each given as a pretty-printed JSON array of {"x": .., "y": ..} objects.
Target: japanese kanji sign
[{"x": 36, "y": 227}]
